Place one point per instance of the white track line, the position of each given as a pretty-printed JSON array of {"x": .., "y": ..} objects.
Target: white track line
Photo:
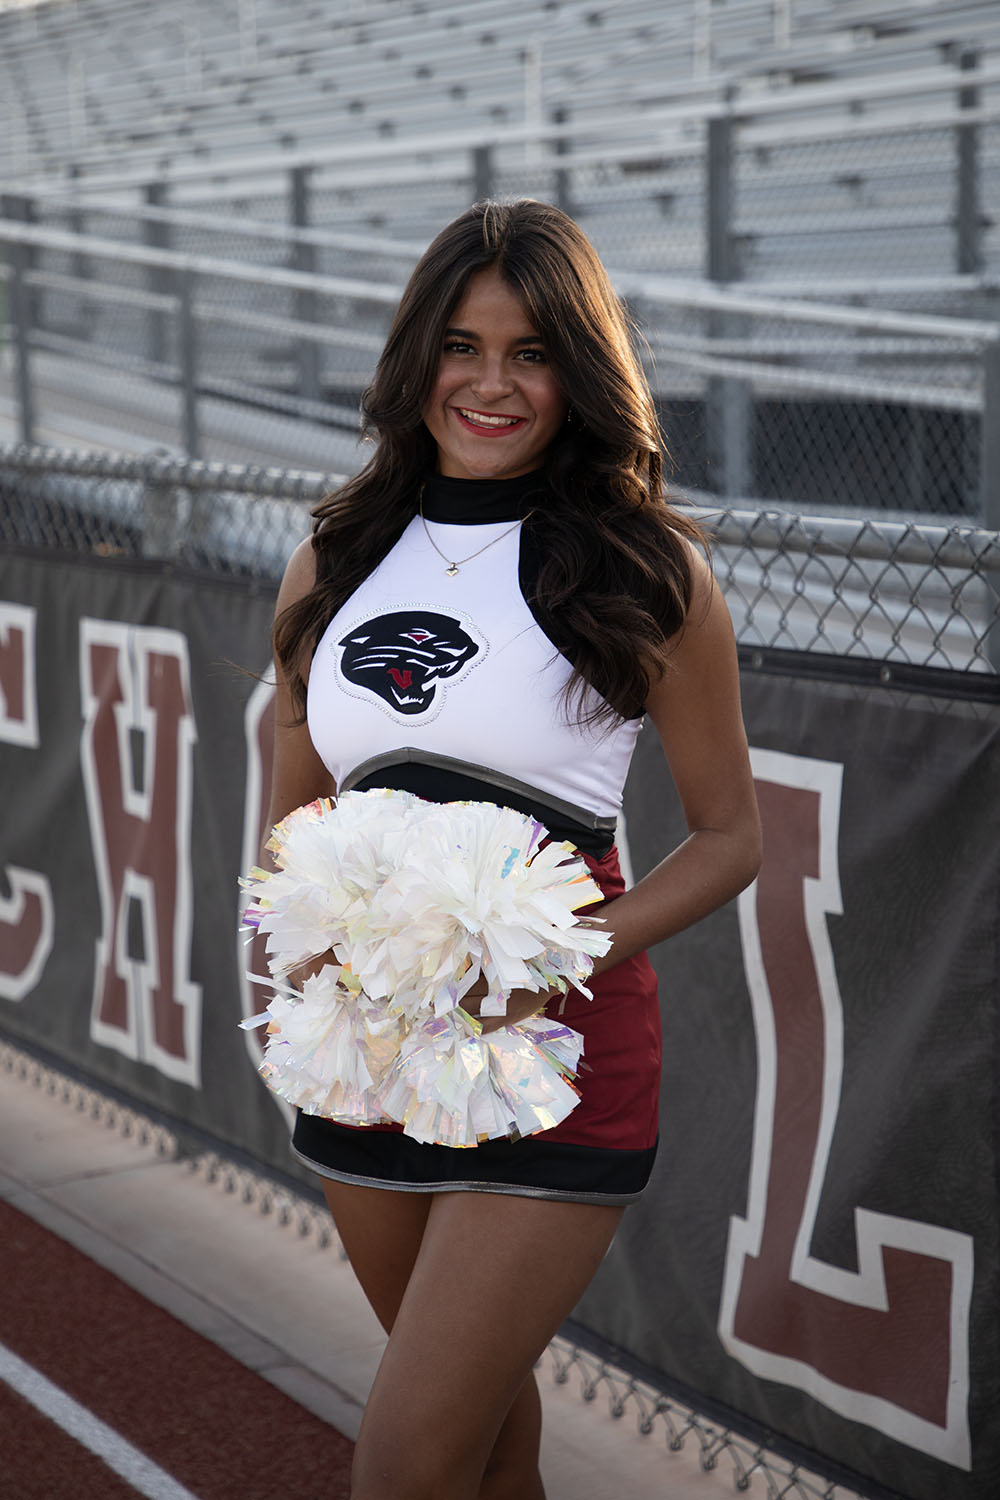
[{"x": 140, "y": 1472}]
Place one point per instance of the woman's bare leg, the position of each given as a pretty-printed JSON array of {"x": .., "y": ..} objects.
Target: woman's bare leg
[
  {"x": 381, "y": 1231},
  {"x": 494, "y": 1277},
  {"x": 512, "y": 1471}
]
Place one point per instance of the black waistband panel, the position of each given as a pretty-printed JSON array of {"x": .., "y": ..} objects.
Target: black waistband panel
[{"x": 447, "y": 781}]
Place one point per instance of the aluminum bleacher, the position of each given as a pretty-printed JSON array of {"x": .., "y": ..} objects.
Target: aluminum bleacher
[{"x": 114, "y": 86}]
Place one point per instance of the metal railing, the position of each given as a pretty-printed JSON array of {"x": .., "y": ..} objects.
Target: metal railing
[
  {"x": 731, "y": 190},
  {"x": 769, "y": 400}
]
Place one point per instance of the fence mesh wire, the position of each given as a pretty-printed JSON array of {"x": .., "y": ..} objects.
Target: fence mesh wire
[
  {"x": 879, "y": 590},
  {"x": 875, "y": 203},
  {"x": 921, "y": 594}
]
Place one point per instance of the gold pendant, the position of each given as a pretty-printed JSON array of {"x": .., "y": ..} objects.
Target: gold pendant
[{"x": 452, "y": 570}]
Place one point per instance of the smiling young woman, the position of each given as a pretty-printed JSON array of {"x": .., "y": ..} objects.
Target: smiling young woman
[
  {"x": 496, "y": 405},
  {"x": 487, "y": 612}
]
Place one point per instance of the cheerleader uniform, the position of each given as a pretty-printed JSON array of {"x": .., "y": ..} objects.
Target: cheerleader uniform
[{"x": 436, "y": 678}]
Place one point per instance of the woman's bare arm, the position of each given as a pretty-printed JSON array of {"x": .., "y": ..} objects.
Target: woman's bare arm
[
  {"x": 695, "y": 709},
  {"x": 298, "y": 774}
]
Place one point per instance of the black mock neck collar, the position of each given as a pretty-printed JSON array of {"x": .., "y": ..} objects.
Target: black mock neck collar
[{"x": 470, "y": 502}]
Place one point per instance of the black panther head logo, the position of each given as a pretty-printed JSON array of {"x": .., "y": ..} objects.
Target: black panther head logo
[{"x": 403, "y": 656}]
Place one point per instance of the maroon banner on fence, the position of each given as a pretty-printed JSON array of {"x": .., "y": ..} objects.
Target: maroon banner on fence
[
  {"x": 128, "y": 753},
  {"x": 819, "y": 1247},
  {"x": 817, "y": 1254}
]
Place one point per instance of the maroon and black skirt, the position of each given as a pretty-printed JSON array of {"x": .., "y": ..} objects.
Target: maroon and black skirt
[{"x": 601, "y": 1153}]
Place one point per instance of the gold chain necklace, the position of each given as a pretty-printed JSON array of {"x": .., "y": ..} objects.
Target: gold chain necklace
[{"x": 455, "y": 563}]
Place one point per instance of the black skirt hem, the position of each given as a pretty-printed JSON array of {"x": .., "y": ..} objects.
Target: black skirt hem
[
  {"x": 511, "y": 1189},
  {"x": 532, "y": 1168}
]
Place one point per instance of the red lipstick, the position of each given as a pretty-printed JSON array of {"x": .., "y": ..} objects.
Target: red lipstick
[{"x": 488, "y": 428}]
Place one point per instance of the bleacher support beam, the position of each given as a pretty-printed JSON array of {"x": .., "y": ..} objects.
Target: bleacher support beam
[
  {"x": 562, "y": 177},
  {"x": 483, "y": 176}
]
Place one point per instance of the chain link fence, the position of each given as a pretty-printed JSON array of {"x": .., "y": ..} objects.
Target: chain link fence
[
  {"x": 879, "y": 203},
  {"x": 893, "y": 595},
  {"x": 869, "y": 590},
  {"x": 907, "y": 593},
  {"x": 210, "y": 517}
]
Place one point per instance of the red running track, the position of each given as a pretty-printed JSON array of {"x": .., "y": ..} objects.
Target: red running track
[{"x": 213, "y": 1427}]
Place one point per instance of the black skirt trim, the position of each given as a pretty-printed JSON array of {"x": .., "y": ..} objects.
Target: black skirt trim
[{"x": 532, "y": 1168}]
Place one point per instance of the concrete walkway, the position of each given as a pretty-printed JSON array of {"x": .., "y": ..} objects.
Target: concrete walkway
[{"x": 281, "y": 1303}]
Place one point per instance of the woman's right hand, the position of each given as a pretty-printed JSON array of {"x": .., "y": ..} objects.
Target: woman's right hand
[
  {"x": 297, "y": 977},
  {"x": 519, "y": 1006}
]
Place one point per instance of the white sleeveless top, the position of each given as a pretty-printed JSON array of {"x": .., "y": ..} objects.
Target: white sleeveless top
[{"x": 458, "y": 667}]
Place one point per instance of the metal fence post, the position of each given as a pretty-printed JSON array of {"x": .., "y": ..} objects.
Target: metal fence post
[
  {"x": 968, "y": 220},
  {"x": 156, "y": 233},
  {"x": 162, "y": 527},
  {"x": 80, "y": 263},
  {"x": 482, "y": 172},
  {"x": 989, "y": 442},
  {"x": 719, "y": 199},
  {"x": 21, "y": 207},
  {"x": 562, "y": 176},
  {"x": 989, "y": 483},
  {"x": 304, "y": 259},
  {"x": 727, "y": 400},
  {"x": 20, "y": 310},
  {"x": 187, "y": 340}
]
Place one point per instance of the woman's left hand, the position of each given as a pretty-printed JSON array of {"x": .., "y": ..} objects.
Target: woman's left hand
[{"x": 520, "y": 1005}]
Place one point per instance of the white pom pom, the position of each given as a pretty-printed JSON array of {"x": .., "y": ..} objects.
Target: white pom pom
[
  {"x": 418, "y": 901},
  {"x": 330, "y": 857},
  {"x": 457, "y": 1087},
  {"x": 327, "y": 1051}
]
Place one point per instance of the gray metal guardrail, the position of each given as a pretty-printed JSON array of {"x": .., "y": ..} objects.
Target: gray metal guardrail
[{"x": 802, "y": 402}]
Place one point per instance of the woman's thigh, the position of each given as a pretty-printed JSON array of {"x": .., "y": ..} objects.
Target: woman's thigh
[
  {"x": 494, "y": 1277},
  {"x": 381, "y": 1230}
]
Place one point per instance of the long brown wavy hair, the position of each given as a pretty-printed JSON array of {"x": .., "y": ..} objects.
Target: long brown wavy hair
[{"x": 614, "y": 584}]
